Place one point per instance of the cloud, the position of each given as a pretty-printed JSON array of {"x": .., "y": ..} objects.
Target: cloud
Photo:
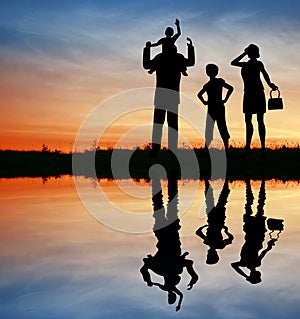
[{"x": 82, "y": 54}]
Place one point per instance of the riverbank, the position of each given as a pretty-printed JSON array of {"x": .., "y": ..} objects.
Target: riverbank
[{"x": 280, "y": 164}]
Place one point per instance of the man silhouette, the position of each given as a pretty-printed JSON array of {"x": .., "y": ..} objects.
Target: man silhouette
[{"x": 168, "y": 66}]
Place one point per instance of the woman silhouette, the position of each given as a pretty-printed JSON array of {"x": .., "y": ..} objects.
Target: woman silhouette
[{"x": 254, "y": 101}]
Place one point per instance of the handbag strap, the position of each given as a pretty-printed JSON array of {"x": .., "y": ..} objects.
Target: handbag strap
[{"x": 274, "y": 91}]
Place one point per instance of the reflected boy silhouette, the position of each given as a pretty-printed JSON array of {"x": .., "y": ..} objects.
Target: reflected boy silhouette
[
  {"x": 215, "y": 223},
  {"x": 168, "y": 261},
  {"x": 168, "y": 43},
  {"x": 216, "y": 105},
  {"x": 255, "y": 229},
  {"x": 254, "y": 101}
]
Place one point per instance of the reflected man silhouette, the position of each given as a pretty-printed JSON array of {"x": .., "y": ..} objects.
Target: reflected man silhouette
[
  {"x": 168, "y": 66},
  {"x": 254, "y": 101},
  {"x": 168, "y": 261},
  {"x": 255, "y": 229},
  {"x": 215, "y": 223}
]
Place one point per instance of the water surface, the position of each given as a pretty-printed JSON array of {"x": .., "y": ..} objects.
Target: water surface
[{"x": 58, "y": 261}]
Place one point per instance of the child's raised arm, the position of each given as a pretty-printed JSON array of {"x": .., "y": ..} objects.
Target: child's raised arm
[{"x": 178, "y": 34}]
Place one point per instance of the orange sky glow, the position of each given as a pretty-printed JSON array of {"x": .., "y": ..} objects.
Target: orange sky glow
[{"x": 47, "y": 91}]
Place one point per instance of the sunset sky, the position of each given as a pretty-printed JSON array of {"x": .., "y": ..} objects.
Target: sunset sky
[{"x": 60, "y": 59}]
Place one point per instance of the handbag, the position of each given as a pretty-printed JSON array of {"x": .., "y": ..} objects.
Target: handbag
[
  {"x": 275, "y": 103},
  {"x": 275, "y": 224}
]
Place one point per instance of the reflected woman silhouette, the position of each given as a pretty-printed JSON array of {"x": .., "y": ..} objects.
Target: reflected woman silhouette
[
  {"x": 255, "y": 230},
  {"x": 168, "y": 261},
  {"x": 215, "y": 223}
]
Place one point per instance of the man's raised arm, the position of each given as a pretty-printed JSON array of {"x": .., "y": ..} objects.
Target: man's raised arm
[
  {"x": 190, "y": 61},
  {"x": 147, "y": 63}
]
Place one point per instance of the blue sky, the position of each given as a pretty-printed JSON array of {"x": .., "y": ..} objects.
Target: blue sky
[
  {"x": 75, "y": 54},
  {"x": 58, "y": 26}
]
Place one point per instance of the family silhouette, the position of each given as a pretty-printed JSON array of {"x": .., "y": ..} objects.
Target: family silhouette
[
  {"x": 169, "y": 65},
  {"x": 169, "y": 262}
]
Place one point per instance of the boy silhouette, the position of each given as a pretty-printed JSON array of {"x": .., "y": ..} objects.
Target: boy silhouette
[
  {"x": 215, "y": 102},
  {"x": 168, "y": 43}
]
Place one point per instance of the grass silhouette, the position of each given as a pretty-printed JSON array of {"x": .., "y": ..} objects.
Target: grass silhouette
[{"x": 281, "y": 163}]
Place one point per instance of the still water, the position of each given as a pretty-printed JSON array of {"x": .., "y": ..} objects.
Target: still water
[{"x": 57, "y": 260}]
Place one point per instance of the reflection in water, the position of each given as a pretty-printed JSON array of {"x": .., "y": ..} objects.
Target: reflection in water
[
  {"x": 215, "y": 223},
  {"x": 56, "y": 261},
  {"x": 255, "y": 229},
  {"x": 168, "y": 261}
]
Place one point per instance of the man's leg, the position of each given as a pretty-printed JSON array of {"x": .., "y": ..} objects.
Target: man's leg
[
  {"x": 172, "y": 118},
  {"x": 158, "y": 121}
]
